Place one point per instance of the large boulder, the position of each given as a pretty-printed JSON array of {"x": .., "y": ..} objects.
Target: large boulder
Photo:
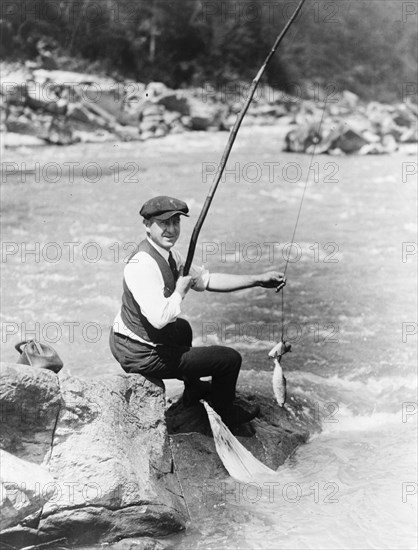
[
  {"x": 24, "y": 488},
  {"x": 271, "y": 437},
  {"x": 206, "y": 116},
  {"x": 105, "y": 443},
  {"x": 151, "y": 120},
  {"x": 125, "y": 458},
  {"x": 30, "y": 402},
  {"x": 202, "y": 114},
  {"x": 177, "y": 101},
  {"x": 155, "y": 90},
  {"x": 46, "y": 97}
]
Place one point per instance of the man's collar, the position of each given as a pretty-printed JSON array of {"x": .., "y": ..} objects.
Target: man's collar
[{"x": 164, "y": 253}]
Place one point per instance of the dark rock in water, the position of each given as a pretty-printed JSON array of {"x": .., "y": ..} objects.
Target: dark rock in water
[
  {"x": 272, "y": 437},
  {"x": 106, "y": 445},
  {"x": 327, "y": 137},
  {"x": 349, "y": 141},
  {"x": 176, "y": 101},
  {"x": 204, "y": 116},
  {"x": 304, "y": 137}
]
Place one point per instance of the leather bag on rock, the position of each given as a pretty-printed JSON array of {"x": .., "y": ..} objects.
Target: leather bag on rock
[{"x": 39, "y": 355}]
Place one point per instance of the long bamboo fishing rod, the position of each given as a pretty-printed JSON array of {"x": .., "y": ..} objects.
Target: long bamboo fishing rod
[{"x": 231, "y": 140}]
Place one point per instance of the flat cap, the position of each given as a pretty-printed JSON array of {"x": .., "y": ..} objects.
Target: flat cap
[{"x": 163, "y": 207}]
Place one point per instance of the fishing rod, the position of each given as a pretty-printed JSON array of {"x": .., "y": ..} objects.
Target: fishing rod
[{"x": 231, "y": 140}]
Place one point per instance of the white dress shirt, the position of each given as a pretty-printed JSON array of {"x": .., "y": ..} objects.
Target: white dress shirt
[{"x": 145, "y": 280}]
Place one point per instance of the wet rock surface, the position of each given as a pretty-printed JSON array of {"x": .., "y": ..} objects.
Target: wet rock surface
[
  {"x": 20, "y": 480},
  {"x": 271, "y": 437},
  {"x": 122, "y": 458},
  {"x": 105, "y": 445}
]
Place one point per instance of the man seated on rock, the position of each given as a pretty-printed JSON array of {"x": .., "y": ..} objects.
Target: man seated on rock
[{"x": 150, "y": 338}]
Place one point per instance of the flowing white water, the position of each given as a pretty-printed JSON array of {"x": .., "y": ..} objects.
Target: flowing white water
[{"x": 352, "y": 485}]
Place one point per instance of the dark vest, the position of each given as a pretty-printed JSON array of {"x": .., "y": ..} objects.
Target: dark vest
[{"x": 131, "y": 313}]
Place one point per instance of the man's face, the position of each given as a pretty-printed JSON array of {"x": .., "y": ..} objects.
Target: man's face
[{"x": 164, "y": 232}]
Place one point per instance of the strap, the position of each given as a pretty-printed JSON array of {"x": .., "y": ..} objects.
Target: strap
[
  {"x": 38, "y": 347},
  {"x": 18, "y": 347}
]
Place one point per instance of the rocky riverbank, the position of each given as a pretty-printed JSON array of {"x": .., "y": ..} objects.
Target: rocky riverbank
[
  {"x": 97, "y": 461},
  {"x": 105, "y": 448},
  {"x": 41, "y": 106}
]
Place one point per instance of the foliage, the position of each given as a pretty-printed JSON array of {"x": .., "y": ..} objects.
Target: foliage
[{"x": 364, "y": 45}]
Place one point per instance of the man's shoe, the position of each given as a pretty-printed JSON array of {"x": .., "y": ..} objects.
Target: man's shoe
[
  {"x": 234, "y": 415},
  {"x": 194, "y": 392}
]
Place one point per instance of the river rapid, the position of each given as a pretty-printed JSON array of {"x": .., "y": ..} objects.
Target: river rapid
[{"x": 70, "y": 218}]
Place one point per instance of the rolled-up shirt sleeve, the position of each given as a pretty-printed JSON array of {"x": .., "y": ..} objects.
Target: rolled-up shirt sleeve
[{"x": 145, "y": 281}]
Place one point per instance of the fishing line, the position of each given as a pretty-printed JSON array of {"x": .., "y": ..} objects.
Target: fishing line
[
  {"x": 302, "y": 199},
  {"x": 316, "y": 142}
]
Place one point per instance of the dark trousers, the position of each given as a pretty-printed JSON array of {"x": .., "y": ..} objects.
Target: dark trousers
[{"x": 182, "y": 362}]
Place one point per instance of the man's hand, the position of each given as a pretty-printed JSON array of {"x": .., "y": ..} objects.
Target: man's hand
[
  {"x": 272, "y": 279},
  {"x": 183, "y": 284}
]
